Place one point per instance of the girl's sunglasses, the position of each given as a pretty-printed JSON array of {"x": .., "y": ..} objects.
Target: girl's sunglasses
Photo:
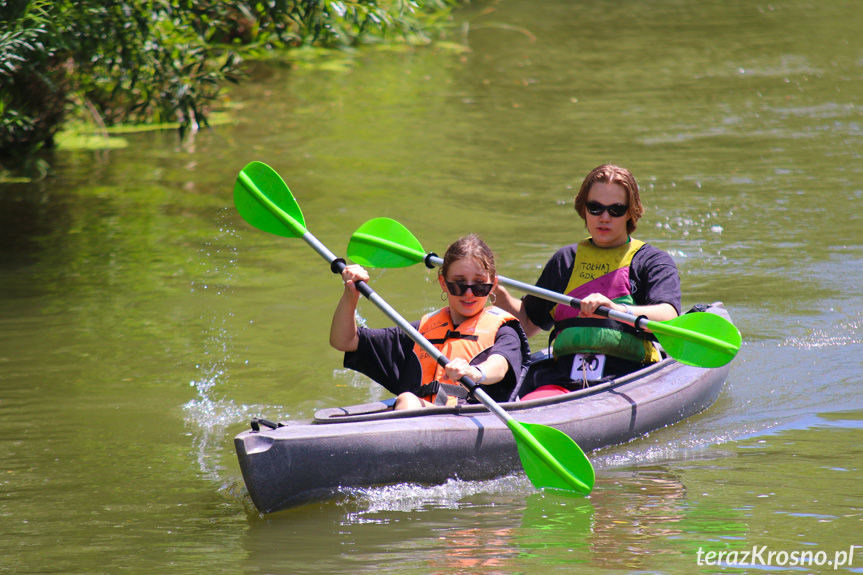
[
  {"x": 460, "y": 288},
  {"x": 614, "y": 210}
]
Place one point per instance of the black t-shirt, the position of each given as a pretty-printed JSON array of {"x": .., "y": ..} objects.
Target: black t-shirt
[{"x": 386, "y": 355}]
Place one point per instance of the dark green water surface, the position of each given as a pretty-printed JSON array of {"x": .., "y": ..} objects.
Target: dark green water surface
[{"x": 142, "y": 322}]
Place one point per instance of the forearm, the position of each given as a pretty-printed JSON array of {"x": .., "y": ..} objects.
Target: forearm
[
  {"x": 343, "y": 330},
  {"x": 658, "y": 312},
  {"x": 495, "y": 368}
]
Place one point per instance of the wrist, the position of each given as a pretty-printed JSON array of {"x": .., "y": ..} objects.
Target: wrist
[
  {"x": 352, "y": 294},
  {"x": 482, "y": 375}
]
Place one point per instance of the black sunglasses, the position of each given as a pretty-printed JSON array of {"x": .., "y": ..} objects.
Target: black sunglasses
[
  {"x": 614, "y": 210},
  {"x": 460, "y": 288}
]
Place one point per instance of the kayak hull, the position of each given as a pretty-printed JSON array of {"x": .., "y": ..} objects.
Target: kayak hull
[{"x": 366, "y": 445}]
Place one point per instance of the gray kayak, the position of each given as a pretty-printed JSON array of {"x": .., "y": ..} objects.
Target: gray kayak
[{"x": 299, "y": 462}]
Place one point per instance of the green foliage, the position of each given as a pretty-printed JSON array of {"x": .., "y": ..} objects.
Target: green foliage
[
  {"x": 145, "y": 64},
  {"x": 28, "y": 106},
  {"x": 161, "y": 61}
]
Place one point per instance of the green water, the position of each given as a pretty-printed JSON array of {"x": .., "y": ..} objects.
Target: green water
[{"x": 142, "y": 323}]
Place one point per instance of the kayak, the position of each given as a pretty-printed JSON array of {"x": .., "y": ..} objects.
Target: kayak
[{"x": 298, "y": 462}]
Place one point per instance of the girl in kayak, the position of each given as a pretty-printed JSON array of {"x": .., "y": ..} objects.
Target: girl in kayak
[
  {"x": 483, "y": 343},
  {"x": 611, "y": 269}
]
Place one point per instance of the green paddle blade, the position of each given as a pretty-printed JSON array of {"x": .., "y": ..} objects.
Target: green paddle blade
[
  {"x": 384, "y": 243},
  {"x": 551, "y": 459},
  {"x": 685, "y": 339},
  {"x": 264, "y": 200}
]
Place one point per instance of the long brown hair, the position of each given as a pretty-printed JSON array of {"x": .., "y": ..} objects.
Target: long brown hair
[
  {"x": 469, "y": 246},
  {"x": 611, "y": 174}
]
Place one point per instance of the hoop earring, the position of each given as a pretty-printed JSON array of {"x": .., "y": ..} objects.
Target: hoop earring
[
  {"x": 492, "y": 298},
  {"x": 443, "y": 296}
]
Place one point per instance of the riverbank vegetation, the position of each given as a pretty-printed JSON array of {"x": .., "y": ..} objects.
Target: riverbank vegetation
[{"x": 110, "y": 62}]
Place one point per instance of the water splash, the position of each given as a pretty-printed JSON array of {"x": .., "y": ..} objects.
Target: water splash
[
  {"x": 211, "y": 417},
  {"x": 208, "y": 414},
  {"x": 406, "y": 497},
  {"x": 700, "y": 225},
  {"x": 842, "y": 334},
  {"x": 679, "y": 450}
]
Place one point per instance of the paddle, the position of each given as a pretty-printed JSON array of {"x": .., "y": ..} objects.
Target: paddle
[
  {"x": 699, "y": 339},
  {"x": 550, "y": 458}
]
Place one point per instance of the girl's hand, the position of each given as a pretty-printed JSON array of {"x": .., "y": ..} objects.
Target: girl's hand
[
  {"x": 352, "y": 274},
  {"x": 591, "y": 302},
  {"x": 458, "y": 368}
]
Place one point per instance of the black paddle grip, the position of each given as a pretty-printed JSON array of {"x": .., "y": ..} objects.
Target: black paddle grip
[
  {"x": 338, "y": 265},
  {"x": 640, "y": 323}
]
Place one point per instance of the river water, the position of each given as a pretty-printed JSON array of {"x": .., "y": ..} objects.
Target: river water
[{"x": 143, "y": 323}]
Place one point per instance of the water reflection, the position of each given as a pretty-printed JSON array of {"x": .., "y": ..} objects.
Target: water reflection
[
  {"x": 495, "y": 527},
  {"x": 556, "y": 529}
]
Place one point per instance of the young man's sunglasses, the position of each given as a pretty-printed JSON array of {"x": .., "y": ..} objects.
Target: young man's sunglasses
[
  {"x": 614, "y": 210},
  {"x": 460, "y": 288}
]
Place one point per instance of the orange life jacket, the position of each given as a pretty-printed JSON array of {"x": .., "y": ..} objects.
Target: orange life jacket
[{"x": 473, "y": 336}]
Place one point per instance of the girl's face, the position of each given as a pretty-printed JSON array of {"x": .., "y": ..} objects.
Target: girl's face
[
  {"x": 606, "y": 230},
  {"x": 466, "y": 271}
]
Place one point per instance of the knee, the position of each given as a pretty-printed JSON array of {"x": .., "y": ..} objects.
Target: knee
[{"x": 407, "y": 400}]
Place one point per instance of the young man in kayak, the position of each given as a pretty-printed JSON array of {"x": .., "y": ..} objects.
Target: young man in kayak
[
  {"x": 611, "y": 269},
  {"x": 484, "y": 343}
]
